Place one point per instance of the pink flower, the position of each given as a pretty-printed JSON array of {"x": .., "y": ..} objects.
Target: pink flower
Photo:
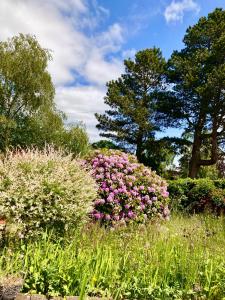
[
  {"x": 124, "y": 189},
  {"x": 141, "y": 188},
  {"x": 130, "y": 214},
  {"x": 110, "y": 199},
  {"x": 97, "y": 216},
  {"x": 142, "y": 206},
  {"x": 165, "y": 194},
  {"x": 104, "y": 185},
  {"x": 133, "y": 193},
  {"x": 97, "y": 202},
  {"x": 107, "y": 217},
  {"x": 151, "y": 190},
  {"x": 146, "y": 198}
]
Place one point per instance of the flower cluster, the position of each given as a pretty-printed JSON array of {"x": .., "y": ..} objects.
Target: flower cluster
[{"x": 127, "y": 190}]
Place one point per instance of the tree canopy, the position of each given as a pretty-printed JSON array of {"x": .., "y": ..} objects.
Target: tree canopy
[
  {"x": 197, "y": 74},
  {"x": 130, "y": 120},
  {"x": 25, "y": 84}
]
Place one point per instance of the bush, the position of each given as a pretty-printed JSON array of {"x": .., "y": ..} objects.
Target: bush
[
  {"x": 198, "y": 195},
  {"x": 128, "y": 191},
  {"x": 44, "y": 190}
]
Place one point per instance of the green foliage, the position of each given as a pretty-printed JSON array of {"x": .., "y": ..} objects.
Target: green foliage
[
  {"x": 40, "y": 190},
  {"x": 197, "y": 195},
  {"x": 197, "y": 74},
  {"x": 159, "y": 155},
  {"x": 44, "y": 127},
  {"x": 210, "y": 172},
  {"x": 25, "y": 84},
  {"x": 73, "y": 140},
  {"x": 180, "y": 259},
  {"x": 130, "y": 120},
  {"x": 104, "y": 144}
]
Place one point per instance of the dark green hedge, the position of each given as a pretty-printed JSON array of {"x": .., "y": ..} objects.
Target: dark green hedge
[{"x": 197, "y": 195}]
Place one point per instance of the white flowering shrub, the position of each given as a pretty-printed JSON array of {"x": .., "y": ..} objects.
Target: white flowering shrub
[{"x": 44, "y": 190}]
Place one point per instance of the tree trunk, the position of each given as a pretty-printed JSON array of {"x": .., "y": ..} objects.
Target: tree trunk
[
  {"x": 139, "y": 148},
  {"x": 214, "y": 148},
  {"x": 195, "y": 155},
  {"x": 196, "y": 161}
]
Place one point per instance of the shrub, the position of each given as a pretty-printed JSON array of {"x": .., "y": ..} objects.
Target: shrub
[
  {"x": 198, "y": 195},
  {"x": 42, "y": 190},
  {"x": 127, "y": 190}
]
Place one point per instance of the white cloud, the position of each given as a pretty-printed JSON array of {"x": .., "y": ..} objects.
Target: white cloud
[
  {"x": 80, "y": 104},
  {"x": 175, "y": 10},
  {"x": 129, "y": 53},
  {"x": 99, "y": 71},
  {"x": 59, "y": 25},
  {"x": 77, "y": 5}
]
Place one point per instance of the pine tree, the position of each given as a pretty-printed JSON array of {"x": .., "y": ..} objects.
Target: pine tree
[{"x": 130, "y": 121}]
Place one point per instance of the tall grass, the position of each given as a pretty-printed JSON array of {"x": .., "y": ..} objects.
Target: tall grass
[{"x": 180, "y": 259}]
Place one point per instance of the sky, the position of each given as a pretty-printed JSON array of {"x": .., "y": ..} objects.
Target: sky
[{"x": 89, "y": 39}]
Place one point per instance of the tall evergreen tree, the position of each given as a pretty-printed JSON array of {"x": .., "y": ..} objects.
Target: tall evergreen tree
[
  {"x": 197, "y": 74},
  {"x": 130, "y": 121}
]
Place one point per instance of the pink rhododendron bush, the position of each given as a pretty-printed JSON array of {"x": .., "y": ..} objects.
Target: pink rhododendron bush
[{"x": 127, "y": 191}]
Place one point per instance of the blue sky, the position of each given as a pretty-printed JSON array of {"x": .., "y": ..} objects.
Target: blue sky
[
  {"x": 146, "y": 24},
  {"x": 90, "y": 38}
]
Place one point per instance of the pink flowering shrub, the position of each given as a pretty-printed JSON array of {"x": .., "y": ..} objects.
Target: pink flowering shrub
[{"x": 126, "y": 189}]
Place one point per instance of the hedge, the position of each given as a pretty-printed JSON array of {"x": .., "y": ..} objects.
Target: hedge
[{"x": 197, "y": 195}]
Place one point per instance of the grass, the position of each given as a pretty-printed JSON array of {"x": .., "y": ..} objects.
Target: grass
[{"x": 180, "y": 259}]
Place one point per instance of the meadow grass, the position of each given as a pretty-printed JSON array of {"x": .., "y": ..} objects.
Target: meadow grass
[{"x": 183, "y": 258}]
